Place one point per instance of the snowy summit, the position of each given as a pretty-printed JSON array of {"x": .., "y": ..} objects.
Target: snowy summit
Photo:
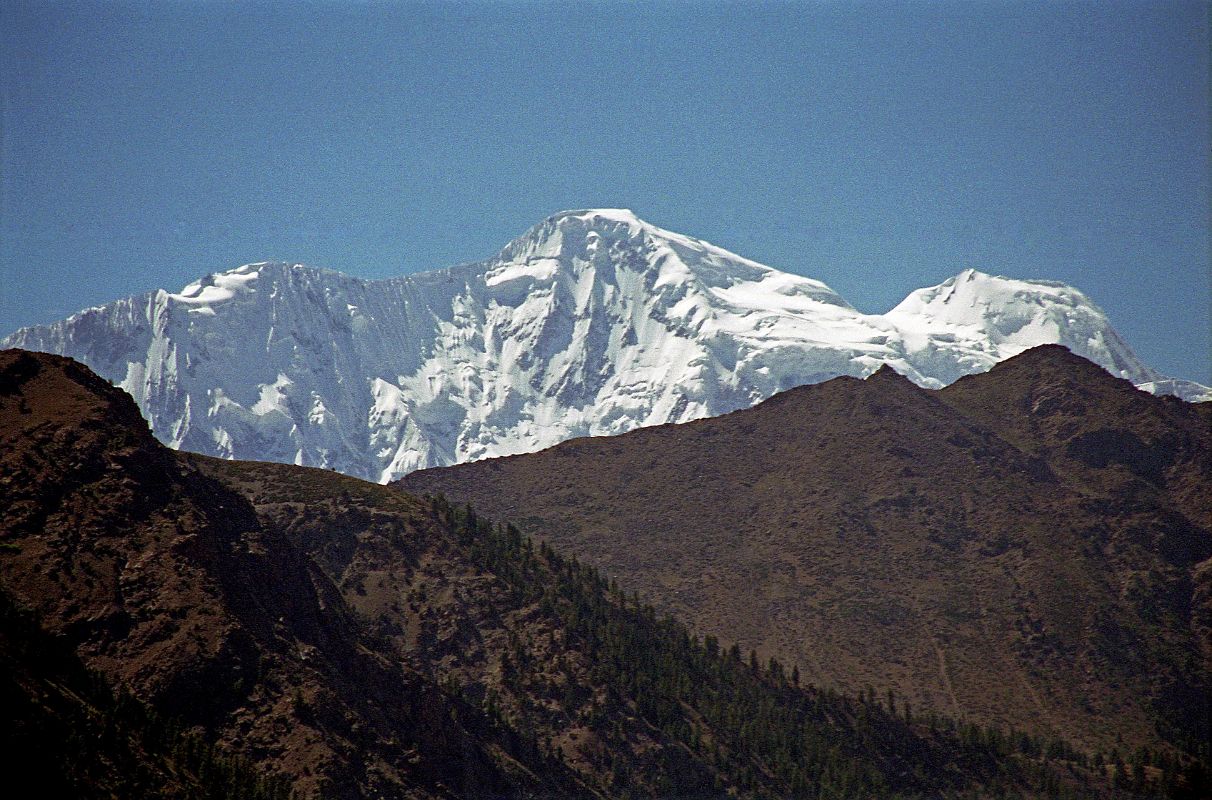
[{"x": 593, "y": 322}]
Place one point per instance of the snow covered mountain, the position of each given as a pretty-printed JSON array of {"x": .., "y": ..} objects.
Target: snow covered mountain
[{"x": 593, "y": 322}]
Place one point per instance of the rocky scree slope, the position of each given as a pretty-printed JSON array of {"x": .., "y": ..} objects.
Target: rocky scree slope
[
  {"x": 354, "y": 641},
  {"x": 592, "y": 323},
  {"x": 1029, "y": 546}
]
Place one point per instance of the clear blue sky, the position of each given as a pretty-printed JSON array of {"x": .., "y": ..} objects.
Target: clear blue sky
[{"x": 877, "y": 146}]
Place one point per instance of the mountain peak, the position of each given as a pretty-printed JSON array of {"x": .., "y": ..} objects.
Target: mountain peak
[
  {"x": 1043, "y": 364},
  {"x": 879, "y": 485},
  {"x": 1011, "y": 315},
  {"x": 625, "y": 215},
  {"x": 973, "y": 289},
  {"x": 614, "y": 237},
  {"x": 1047, "y": 354},
  {"x": 617, "y": 224},
  {"x": 594, "y": 322},
  {"x": 887, "y": 372}
]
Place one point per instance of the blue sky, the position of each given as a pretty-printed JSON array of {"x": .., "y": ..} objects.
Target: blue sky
[{"x": 879, "y": 147}]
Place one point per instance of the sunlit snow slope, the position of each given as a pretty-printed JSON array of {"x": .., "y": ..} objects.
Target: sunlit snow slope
[{"x": 593, "y": 322}]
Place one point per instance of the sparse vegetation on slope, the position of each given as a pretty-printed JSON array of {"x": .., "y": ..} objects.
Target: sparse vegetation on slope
[
  {"x": 1026, "y": 549},
  {"x": 69, "y": 734},
  {"x": 357, "y": 641},
  {"x": 753, "y": 722}
]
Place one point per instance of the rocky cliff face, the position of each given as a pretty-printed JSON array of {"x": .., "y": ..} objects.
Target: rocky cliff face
[{"x": 592, "y": 323}]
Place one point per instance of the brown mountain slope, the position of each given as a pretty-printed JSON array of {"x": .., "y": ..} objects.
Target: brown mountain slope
[
  {"x": 361, "y": 642},
  {"x": 169, "y": 584},
  {"x": 67, "y": 733},
  {"x": 937, "y": 544},
  {"x": 1140, "y": 468},
  {"x": 1096, "y": 434}
]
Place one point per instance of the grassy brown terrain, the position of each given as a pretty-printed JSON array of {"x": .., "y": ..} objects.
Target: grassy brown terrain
[
  {"x": 1028, "y": 547},
  {"x": 355, "y": 641}
]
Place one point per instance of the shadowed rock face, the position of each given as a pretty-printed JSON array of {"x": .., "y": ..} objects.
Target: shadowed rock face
[{"x": 1028, "y": 546}]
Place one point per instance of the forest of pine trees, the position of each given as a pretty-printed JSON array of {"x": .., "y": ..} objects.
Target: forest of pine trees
[
  {"x": 763, "y": 731},
  {"x": 733, "y": 724}
]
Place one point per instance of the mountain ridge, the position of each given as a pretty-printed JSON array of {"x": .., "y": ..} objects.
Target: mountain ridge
[
  {"x": 591, "y": 323},
  {"x": 1014, "y": 547},
  {"x": 348, "y": 640}
]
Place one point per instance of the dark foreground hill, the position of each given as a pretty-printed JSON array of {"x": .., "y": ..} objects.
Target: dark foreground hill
[
  {"x": 69, "y": 734},
  {"x": 354, "y": 641},
  {"x": 1027, "y": 547},
  {"x": 177, "y": 626}
]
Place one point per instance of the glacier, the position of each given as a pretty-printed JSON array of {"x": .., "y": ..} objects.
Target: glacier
[{"x": 592, "y": 323}]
